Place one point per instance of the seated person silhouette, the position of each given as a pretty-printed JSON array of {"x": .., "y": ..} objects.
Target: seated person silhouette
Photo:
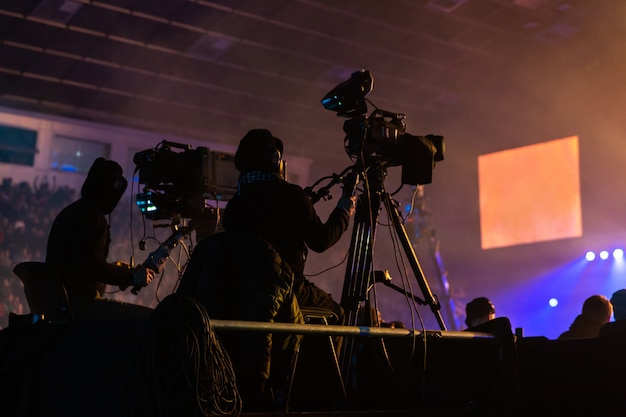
[
  {"x": 78, "y": 247},
  {"x": 618, "y": 301},
  {"x": 239, "y": 276},
  {"x": 596, "y": 312},
  {"x": 616, "y": 330},
  {"x": 478, "y": 311}
]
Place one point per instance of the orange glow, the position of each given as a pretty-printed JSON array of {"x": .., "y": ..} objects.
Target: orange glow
[{"x": 530, "y": 194}]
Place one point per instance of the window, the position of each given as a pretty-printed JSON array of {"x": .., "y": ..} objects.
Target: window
[
  {"x": 76, "y": 155},
  {"x": 17, "y": 146}
]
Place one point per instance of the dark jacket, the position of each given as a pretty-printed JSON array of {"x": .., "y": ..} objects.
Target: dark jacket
[
  {"x": 238, "y": 276},
  {"x": 283, "y": 214},
  {"x": 78, "y": 243},
  {"x": 583, "y": 327}
]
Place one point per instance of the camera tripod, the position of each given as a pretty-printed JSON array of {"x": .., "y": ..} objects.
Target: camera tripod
[{"x": 359, "y": 276}]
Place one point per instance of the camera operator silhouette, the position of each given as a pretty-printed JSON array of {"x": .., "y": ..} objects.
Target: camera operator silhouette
[
  {"x": 247, "y": 272},
  {"x": 78, "y": 247},
  {"x": 267, "y": 205}
]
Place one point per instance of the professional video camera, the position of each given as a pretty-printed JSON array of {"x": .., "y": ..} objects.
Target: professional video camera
[
  {"x": 178, "y": 184},
  {"x": 382, "y": 136}
]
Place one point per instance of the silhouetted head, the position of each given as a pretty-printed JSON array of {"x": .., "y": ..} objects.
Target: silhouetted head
[
  {"x": 598, "y": 307},
  {"x": 479, "y": 310},
  {"x": 259, "y": 150},
  {"x": 618, "y": 301},
  {"x": 104, "y": 185}
]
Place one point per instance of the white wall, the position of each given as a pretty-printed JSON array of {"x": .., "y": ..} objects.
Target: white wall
[{"x": 123, "y": 142}]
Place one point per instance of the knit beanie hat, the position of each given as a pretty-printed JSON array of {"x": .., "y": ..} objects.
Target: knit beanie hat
[{"x": 259, "y": 150}]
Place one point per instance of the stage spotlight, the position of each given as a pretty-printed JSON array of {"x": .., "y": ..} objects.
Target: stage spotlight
[
  {"x": 604, "y": 255},
  {"x": 553, "y": 302},
  {"x": 618, "y": 254},
  {"x": 590, "y": 256}
]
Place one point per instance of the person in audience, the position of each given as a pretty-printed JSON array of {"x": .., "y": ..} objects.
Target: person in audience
[
  {"x": 618, "y": 301},
  {"x": 78, "y": 246},
  {"x": 616, "y": 330},
  {"x": 478, "y": 311},
  {"x": 596, "y": 312}
]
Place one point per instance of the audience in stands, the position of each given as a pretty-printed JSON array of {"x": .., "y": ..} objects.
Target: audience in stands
[
  {"x": 26, "y": 214},
  {"x": 596, "y": 312}
]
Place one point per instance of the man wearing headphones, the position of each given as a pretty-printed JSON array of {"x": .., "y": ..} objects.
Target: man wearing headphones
[
  {"x": 78, "y": 246},
  {"x": 267, "y": 205}
]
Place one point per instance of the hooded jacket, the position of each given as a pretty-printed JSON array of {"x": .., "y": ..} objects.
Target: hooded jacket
[{"x": 78, "y": 243}]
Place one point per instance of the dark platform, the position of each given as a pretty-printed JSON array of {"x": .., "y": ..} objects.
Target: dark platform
[{"x": 81, "y": 369}]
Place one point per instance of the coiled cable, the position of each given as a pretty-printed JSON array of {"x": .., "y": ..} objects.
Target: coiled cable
[{"x": 179, "y": 367}]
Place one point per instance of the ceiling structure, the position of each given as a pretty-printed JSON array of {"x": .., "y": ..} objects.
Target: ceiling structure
[
  {"x": 486, "y": 74},
  {"x": 213, "y": 69}
]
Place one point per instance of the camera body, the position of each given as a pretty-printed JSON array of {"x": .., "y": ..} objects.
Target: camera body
[
  {"x": 188, "y": 170},
  {"x": 177, "y": 184},
  {"x": 381, "y": 137},
  {"x": 373, "y": 135}
]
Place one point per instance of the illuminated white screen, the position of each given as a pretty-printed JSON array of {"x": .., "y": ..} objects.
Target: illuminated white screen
[{"x": 530, "y": 194}]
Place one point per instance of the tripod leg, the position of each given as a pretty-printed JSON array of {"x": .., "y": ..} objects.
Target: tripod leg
[
  {"x": 415, "y": 266},
  {"x": 358, "y": 276}
]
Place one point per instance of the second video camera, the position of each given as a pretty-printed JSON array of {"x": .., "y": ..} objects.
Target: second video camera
[{"x": 382, "y": 135}]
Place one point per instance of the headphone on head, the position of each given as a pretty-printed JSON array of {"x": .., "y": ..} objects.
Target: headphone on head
[
  {"x": 259, "y": 150},
  {"x": 275, "y": 160}
]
